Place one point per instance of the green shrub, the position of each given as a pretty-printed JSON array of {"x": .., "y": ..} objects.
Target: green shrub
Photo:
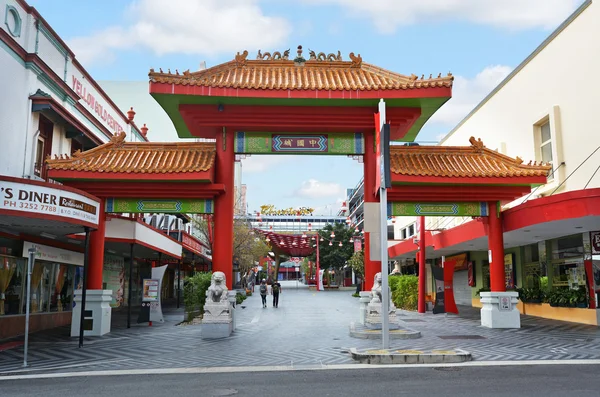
[
  {"x": 405, "y": 291},
  {"x": 194, "y": 293},
  {"x": 239, "y": 298}
]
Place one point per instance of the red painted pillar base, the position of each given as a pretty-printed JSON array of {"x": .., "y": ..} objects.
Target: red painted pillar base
[
  {"x": 496, "y": 249},
  {"x": 96, "y": 251},
  {"x": 422, "y": 268},
  {"x": 369, "y": 164},
  {"x": 222, "y": 250}
]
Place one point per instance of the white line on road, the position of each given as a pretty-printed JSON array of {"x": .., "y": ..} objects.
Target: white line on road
[{"x": 216, "y": 370}]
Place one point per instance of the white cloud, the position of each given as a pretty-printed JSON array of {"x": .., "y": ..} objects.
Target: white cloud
[
  {"x": 317, "y": 189},
  {"x": 205, "y": 27},
  {"x": 508, "y": 14},
  {"x": 467, "y": 93}
]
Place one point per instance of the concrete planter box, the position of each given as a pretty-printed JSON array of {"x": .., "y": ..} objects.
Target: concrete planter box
[{"x": 571, "y": 314}]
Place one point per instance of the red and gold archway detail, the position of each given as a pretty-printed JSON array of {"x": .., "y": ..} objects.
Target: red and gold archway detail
[{"x": 305, "y": 94}]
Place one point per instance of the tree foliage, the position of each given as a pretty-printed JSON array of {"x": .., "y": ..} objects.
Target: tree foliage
[
  {"x": 357, "y": 263},
  {"x": 248, "y": 247},
  {"x": 333, "y": 256}
]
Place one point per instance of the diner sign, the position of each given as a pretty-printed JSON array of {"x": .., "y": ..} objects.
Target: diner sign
[{"x": 45, "y": 200}]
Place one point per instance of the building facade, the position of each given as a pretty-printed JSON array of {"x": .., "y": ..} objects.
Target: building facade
[
  {"x": 51, "y": 106},
  {"x": 543, "y": 111}
]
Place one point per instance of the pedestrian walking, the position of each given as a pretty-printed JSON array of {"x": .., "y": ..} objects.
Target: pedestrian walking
[
  {"x": 276, "y": 290},
  {"x": 263, "y": 292}
]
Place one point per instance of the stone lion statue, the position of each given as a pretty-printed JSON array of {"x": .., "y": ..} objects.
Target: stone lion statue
[
  {"x": 217, "y": 292},
  {"x": 376, "y": 290}
]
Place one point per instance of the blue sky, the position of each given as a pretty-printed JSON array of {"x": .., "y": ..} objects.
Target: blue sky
[{"x": 480, "y": 42}]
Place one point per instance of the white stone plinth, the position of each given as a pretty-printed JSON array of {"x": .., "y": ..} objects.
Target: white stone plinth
[
  {"x": 374, "y": 316},
  {"x": 98, "y": 302},
  {"x": 232, "y": 302},
  {"x": 499, "y": 310},
  {"x": 218, "y": 320},
  {"x": 365, "y": 298}
]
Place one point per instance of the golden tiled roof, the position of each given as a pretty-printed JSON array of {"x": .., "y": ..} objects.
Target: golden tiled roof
[
  {"x": 320, "y": 72},
  {"x": 119, "y": 156},
  {"x": 475, "y": 161}
]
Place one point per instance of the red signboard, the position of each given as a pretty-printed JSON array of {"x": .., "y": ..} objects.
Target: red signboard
[
  {"x": 357, "y": 245},
  {"x": 459, "y": 262},
  {"x": 191, "y": 244},
  {"x": 595, "y": 242}
]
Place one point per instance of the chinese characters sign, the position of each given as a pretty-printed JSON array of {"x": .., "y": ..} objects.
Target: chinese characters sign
[
  {"x": 437, "y": 209},
  {"x": 268, "y": 143},
  {"x": 167, "y": 206},
  {"x": 293, "y": 143}
]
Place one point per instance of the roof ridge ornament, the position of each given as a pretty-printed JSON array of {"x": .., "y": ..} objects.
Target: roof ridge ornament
[
  {"x": 276, "y": 56},
  {"x": 240, "y": 59},
  {"x": 477, "y": 144},
  {"x": 118, "y": 139},
  {"x": 321, "y": 56},
  {"x": 356, "y": 60}
]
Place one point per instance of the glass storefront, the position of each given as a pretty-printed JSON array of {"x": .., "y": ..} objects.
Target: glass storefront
[{"x": 51, "y": 286}]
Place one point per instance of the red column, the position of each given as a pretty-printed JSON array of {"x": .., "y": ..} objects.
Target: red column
[
  {"x": 369, "y": 162},
  {"x": 222, "y": 253},
  {"x": 496, "y": 246},
  {"x": 422, "y": 267},
  {"x": 96, "y": 251},
  {"x": 318, "y": 262}
]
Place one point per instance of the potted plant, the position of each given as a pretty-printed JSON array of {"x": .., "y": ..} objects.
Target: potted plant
[
  {"x": 535, "y": 295},
  {"x": 563, "y": 298},
  {"x": 553, "y": 297},
  {"x": 582, "y": 298}
]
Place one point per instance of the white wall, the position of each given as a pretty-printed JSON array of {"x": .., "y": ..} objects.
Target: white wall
[
  {"x": 14, "y": 112},
  {"x": 18, "y": 81},
  {"x": 559, "y": 83}
]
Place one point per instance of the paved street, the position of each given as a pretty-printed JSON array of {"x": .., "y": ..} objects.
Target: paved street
[
  {"x": 550, "y": 381},
  {"x": 308, "y": 330}
]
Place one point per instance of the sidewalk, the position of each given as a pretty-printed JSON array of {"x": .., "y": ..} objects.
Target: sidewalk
[{"x": 308, "y": 329}]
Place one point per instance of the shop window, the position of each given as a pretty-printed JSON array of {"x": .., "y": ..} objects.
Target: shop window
[
  {"x": 43, "y": 147},
  {"x": 39, "y": 157},
  {"x": 568, "y": 247},
  {"x": 567, "y": 261},
  {"x": 12, "y": 284},
  {"x": 485, "y": 274},
  {"x": 61, "y": 289},
  {"x": 532, "y": 253}
]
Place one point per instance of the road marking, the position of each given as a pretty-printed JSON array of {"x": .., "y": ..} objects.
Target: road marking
[{"x": 281, "y": 368}]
